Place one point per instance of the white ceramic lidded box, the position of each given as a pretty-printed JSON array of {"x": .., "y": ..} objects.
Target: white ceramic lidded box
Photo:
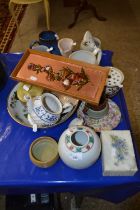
[{"x": 118, "y": 157}]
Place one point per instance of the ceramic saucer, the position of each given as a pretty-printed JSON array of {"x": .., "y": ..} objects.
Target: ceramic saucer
[
  {"x": 108, "y": 122},
  {"x": 19, "y": 112},
  {"x": 83, "y": 55}
]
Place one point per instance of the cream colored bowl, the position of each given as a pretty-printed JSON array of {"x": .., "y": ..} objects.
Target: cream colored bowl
[{"x": 44, "y": 152}]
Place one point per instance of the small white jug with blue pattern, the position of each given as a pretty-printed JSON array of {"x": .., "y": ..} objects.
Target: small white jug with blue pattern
[{"x": 92, "y": 44}]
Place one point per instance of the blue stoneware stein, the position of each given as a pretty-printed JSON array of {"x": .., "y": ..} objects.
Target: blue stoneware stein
[{"x": 48, "y": 39}]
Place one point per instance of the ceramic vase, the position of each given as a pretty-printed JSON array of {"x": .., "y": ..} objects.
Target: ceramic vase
[{"x": 79, "y": 147}]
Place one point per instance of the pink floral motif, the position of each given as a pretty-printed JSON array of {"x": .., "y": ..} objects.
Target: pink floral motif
[
  {"x": 71, "y": 147},
  {"x": 88, "y": 147}
]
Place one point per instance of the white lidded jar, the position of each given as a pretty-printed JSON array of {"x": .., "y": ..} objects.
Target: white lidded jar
[{"x": 79, "y": 147}]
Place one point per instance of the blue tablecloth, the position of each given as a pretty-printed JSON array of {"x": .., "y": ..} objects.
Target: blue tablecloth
[{"x": 19, "y": 175}]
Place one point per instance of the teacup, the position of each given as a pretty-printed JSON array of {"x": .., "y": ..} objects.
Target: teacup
[
  {"x": 97, "y": 112},
  {"x": 65, "y": 46},
  {"x": 48, "y": 108},
  {"x": 32, "y": 117}
]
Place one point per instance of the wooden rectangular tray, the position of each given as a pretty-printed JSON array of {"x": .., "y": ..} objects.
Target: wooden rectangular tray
[{"x": 91, "y": 92}]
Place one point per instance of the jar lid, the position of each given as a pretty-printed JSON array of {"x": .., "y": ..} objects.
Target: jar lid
[
  {"x": 44, "y": 151},
  {"x": 115, "y": 77}
]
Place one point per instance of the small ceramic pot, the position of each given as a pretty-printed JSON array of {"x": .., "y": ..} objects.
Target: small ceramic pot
[
  {"x": 44, "y": 152},
  {"x": 48, "y": 108},
  {"x": 79, "y": 147},
  {"x": 65, "y": 46},
  {"x": 83, "y": 55}
]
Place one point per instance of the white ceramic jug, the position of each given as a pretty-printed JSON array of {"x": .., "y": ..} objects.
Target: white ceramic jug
[{"x": 92, "y": 44}]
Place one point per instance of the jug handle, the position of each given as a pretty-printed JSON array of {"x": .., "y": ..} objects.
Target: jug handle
[
  {"x": 99, "y": 56},
  {"x": 34, "y": 125},
  {"x": 98, "y": 53}
]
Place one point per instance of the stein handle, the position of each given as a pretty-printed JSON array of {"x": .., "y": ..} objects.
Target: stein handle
[
  {"x": 98, "y": 53},
  {"x": 99, "y": 56},
  {"x": 50, "y": 49},
  {"x": 33, "y": 43}
]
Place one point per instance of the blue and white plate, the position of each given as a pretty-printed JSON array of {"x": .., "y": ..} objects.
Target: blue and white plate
[{"x": 19, "y": 112}]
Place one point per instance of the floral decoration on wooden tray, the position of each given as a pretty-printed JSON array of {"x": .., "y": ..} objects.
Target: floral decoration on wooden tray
[{"x": 65, "y": 75}]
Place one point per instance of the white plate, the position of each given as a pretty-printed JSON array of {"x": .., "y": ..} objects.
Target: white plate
[
  {"x": 108, "y": 122},
  {"x": 83, "y": 55},
  {"x": 18, "y": 110}
]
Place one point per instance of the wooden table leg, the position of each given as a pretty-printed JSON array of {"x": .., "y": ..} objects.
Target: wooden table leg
[{"x": 84, "y": 5}]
